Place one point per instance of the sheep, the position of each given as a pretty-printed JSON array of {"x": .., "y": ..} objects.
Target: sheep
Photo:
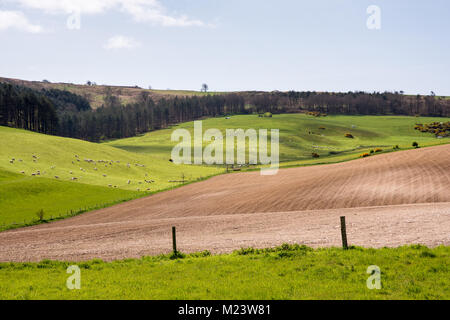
[
  {"x": 129, "y": 181},
  {"x": 52, "y": 167},
  {"x": 110, "y": 185},
  {"x": 23, "y": 172},
  {"x": 95, "y": 169},
  {"x": 56, "y": 177},
  {"x": 11, "y": 161},
  {"x": 74, "y": 178},
  {"x": 70, "y": 172},
  {"x": 104, "y": 175}
]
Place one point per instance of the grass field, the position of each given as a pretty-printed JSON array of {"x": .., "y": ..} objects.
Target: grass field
[
  {"x": 144, "y": 161},
  {"x": 287, "y": 272},
  {"x": 301, "y": 135},
  {"x": 101, "y": 182},
  {"x": 21, "y": 197}
]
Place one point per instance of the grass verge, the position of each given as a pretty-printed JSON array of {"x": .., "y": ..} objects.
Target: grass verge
[{"x": 286, "y": 272}]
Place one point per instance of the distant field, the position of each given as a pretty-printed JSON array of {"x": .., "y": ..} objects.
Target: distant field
[
  {"x": 287, "y": 272},
  {"x": 96, "y": 93},
  {"x": 301, "y": 135},
  {"x": 102, "y": 180}
]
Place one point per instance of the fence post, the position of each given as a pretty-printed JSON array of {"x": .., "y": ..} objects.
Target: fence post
[
  {"x": 344, "y": 234},
  {"x": 174, "y": 240}
]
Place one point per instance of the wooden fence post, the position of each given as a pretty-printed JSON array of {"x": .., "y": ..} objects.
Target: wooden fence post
[
  {"x": 174, "y": 240},
  {"x": 344, "y": 234}
]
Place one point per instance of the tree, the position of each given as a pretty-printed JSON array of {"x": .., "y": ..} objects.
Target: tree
[{"x": 204, "y": 87}]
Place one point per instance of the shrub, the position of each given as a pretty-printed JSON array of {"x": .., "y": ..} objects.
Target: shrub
[
  {"x": 322, "y": 128},
  {"x": 364, "y": 155},
  {"x": 315, "y": 155},
  {"x": 415, "y": 144},
  {"x": 40, "y": 215},
  {"x": 372, "y": 151},
  {"x": 349, "y": 135},
  {"x": 378, "y": 150},
  {"x": 245, "y": 251},
  {"x": 396, "y": 147}
]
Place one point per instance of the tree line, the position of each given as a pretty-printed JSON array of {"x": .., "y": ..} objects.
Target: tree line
[
  {"x": 114, "y": 120},
  {"x": 63, "y": 113},
  {"x": 352, "y": 103},
  {"x": 23, "y": 108}
]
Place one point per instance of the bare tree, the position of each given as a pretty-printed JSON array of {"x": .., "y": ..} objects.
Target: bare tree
[{"x": 204, "y": 87}]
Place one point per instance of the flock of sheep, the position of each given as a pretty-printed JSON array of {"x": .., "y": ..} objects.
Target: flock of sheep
[{"x": 106, "y": 163}]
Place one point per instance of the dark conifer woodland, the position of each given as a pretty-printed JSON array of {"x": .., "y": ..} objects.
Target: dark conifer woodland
[{"x": 63, "y": 113}]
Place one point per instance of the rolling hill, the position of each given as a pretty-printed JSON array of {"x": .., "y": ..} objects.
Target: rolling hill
[
  {"x": 95, "y": 93},
  {"x": 301, "y": 135},
  {"x": 389, "y": 200},
  {"x": 59, "y": 174}
]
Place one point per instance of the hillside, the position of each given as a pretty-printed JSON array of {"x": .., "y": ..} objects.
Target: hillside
[
  {"x": 32, "y": 164},
  {"x": 299, "y": 205},
  {"x": 301, "y": 135},
  {"x": 95, "y": 94}
]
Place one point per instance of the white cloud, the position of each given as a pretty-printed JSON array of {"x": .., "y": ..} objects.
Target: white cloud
[
  {"x": 17, "y": 20},
  {"x": 141, "y": 10},
  {"x": 121, "y": 42}
]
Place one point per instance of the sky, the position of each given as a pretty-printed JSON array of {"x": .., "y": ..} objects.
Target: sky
[{"x": 232, "y": 45}]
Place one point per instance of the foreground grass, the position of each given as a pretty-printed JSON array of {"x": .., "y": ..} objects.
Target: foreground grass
[{"x": 287, "y": 272}]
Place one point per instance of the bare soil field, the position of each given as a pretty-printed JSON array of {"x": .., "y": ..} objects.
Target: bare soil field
[{"x": 389, "y": 200}]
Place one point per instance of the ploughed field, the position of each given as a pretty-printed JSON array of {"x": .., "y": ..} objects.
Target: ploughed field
[{"x": 389, "y": 200}]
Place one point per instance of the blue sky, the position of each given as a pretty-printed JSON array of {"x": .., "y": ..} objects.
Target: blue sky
[{"x": 321, "y": 45}]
